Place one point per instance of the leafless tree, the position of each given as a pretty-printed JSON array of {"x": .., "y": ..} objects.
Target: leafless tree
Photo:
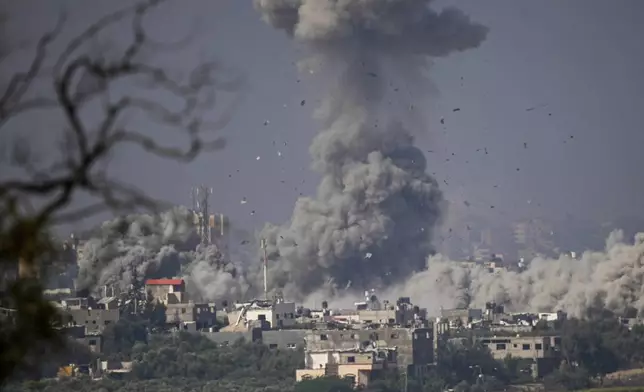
[{"x": 71, "y": 81}]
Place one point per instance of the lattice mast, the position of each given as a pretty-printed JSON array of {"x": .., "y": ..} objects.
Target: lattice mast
[{"x": 200, "y": 205}]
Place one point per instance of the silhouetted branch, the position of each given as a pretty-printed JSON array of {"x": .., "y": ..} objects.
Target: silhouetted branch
[{"x": 88, "y": 145}]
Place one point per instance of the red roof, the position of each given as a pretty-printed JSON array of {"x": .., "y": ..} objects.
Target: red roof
[{"x": 164, "y": 282}]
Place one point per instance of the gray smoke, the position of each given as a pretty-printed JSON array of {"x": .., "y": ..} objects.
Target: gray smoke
[
  {"x": 373, "y": 219},
  {"x": 136, "y": 247},
  {"x": 613, "y": 279}
]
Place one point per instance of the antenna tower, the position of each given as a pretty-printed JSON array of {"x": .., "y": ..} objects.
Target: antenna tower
[{"x": 200, "y": 203}]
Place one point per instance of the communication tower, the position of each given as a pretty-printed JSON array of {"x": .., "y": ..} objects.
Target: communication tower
[{"x": 200, "y": 203}]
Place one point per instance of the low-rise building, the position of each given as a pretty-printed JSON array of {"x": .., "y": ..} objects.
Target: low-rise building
[
  {"x": 188, "y": 315},
  {"x": 94, "y": 320},
  {"x": 414, "y": 346},
  {"x": 356, "y": 365},
  {"x": 166, "y": 291},
  {"x": 277, "y": 313},
  {"x": 461, "y": 316},
  {"x": 522, "y": 347}
]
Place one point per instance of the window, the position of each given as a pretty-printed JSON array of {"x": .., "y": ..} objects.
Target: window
[
  {"x": 277, "y": 316},
  {"x": 351, "y": 359},
  {"x": 500, "y": 346},
  {"x": 272, "y": 345},
  {"x": 351, "y": 378},
  {"x": 107, "y": 322},
  {"x": 394, "y": 335},
  {"x": 526, "y": 346},
  {"x": 291, "y": 345},
  {"x": 94, "y": 322},
  {"x": 353, "y": 336},
  {"x": 183, "y": 310},
  {"x": 324, "y": 337},
  {"x": 92, "y": 342},
  {"x": 538, "y": 346}
]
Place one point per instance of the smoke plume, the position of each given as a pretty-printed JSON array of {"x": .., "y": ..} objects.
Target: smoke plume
[
  {"x": 612, "y": 279},
  {"x": 130, "y": 249},
  {"x": 373, "y": 219}
]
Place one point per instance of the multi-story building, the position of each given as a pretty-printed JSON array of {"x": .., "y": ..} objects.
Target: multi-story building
[
  {"x": 166, "y": 291},
  {"x": 191, "y": 316},
  {"x": 415, "y": 346},
  {"x": 461, "y": 316},
  {"x": 521, "y": 347},
  {"x": 94, "y": 320},
  {"x": 358, "y": 366},
  {"x": 276, "y": 313}
]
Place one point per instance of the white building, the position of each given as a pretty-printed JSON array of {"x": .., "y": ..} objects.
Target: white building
[{"x": 278, "y": 313}]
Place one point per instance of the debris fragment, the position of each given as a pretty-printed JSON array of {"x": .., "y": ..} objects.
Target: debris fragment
[
  {"x": 525, "y": 145},
  {"x": 467, "y": 203},
  {"x": 252, "y": 212},
  {"x": 266, "y": 122},
  {"x": 456, "y": 110},
  {"x": 368, "y": 255},
  {"x": 303, "y": 102},
  {"x": 244, "y": 242},
  {"x": 443, "y": 121},
  {"x": 279, "y": 153},
  {"x": 243, "y": 200},
  {"x": 258, "y": 158},
  {"x": 373, "y": 75}
]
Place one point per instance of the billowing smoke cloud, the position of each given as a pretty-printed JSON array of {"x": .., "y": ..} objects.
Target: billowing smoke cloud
[
  {"x": 137, "y": 247},
  {"x": 373, "y": 219},
  {"x": 613, "y": 278}
]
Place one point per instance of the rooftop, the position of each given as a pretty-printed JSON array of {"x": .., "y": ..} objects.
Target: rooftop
[{"x": 164, "y": 282}]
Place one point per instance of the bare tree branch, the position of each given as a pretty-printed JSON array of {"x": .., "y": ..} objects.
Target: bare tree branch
[{"x": 77, "y": 79}]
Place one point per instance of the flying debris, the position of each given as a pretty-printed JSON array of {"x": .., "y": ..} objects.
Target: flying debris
[
  {"x": 258, "y": 158},
  {"x": 266, "y": 122},
  {"x": 456, "y": 110},
  {"x": 243, "y": 201},
  {"x": 303, "y": 102},
  {"x": 443, "y": 121},
  {"x": 374, "y": 182}
]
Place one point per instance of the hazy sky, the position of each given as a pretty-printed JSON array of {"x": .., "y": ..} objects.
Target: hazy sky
[{"x": 577, "y": 63}]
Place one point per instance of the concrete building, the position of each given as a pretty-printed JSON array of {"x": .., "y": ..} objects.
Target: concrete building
[
  {"x": 414, "y": 346},
  {"x": 285, "y": 339},
  {"x": 521, "y": 347},
  {"x": 276, "y": 339},
  {"x": 166, "y": 291},
  {"x": 190, "y": 316},
  {"x": 94, "y": 342},
  {"x": 277, "y": 313},
  {"x": 224, "y": 338},
  {"x": 94, "y": 320},
  {"x": 461, "y": 316},
  {"x": 358, "y": 366}
]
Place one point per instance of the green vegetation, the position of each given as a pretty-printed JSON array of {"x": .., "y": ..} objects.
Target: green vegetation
[{"x": 590, "y": 349}]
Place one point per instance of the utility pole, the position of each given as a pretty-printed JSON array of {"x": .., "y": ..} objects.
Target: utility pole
[{"x": 263, "y": 244}]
